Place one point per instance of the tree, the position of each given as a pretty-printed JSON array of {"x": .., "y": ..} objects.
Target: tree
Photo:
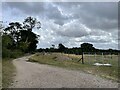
[
  {"x": 30, "y": 22},
  {"x": 61, "y": 47},
  {"x": 53, "y": 46},
  {"x": 28, "y": 36},
  {"x": 14, "y": 31},
  {"x": 22, "y": 36},
  {"x": 28, "y": 42},
  {"x": 87, "y": 47},
  {"x": 7, "y": 41}
]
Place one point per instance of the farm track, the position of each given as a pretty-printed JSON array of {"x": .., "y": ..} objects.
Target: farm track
[{"x": 34, "y": 75}]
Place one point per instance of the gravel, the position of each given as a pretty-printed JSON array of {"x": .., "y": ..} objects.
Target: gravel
[{"x": 34, "y": 75}]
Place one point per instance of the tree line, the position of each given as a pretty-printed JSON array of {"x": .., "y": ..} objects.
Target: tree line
[{"x": 85, "y": 47}]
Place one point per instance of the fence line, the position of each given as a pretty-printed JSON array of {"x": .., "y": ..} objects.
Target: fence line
[{"x": 100, "y": 57}]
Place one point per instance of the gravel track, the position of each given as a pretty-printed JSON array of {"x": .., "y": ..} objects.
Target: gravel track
[{"x": 34, "y": 75}]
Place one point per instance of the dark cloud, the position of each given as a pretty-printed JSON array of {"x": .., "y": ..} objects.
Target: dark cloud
[
  {"x": 102, "y": 15},
  {"x": 43, "y": 9}
]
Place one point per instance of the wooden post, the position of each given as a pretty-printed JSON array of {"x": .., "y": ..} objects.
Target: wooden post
[
  {"x": 82, "y": 58},
  {"x": 89, "y": 58},
  {"x": 95, "y": 57},
  {"x": 102, "y": 58}
]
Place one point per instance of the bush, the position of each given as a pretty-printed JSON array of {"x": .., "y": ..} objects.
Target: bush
[
  {"x": 6, "y": 53},
  {"x": 16, "y": 53}
]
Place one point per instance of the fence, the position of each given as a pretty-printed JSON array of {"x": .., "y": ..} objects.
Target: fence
[{"x": 103, "y": 58}]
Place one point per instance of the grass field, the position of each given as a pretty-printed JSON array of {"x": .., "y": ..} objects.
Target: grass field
[
  {"x": 8, "y": 70},
  {"x": 70, "y": 62}
]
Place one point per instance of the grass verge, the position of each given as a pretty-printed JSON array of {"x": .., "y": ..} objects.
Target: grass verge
[
  {"x": 8, "y": 71},
  {"x": 0, "y": 74},
  {"x": 52, "y": 59}
]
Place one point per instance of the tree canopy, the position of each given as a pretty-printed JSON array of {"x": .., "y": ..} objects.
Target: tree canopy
[{"x": 17, "y": 36}]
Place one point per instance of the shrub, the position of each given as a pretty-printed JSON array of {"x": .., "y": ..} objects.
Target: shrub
[
  {"x": 6, "y": 53},
  {"x": 16, "y": 53}
]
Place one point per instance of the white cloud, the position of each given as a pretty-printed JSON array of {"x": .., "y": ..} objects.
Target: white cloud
[{"x": 69, "y": 23}]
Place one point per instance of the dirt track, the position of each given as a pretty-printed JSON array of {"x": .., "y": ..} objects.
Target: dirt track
[{"x": 33, "y": 75}]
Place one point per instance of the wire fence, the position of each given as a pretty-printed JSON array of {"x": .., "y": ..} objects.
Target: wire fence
[{"x": 102, "y": 58}]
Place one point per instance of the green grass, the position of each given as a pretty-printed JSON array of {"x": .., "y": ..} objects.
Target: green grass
[
  {"x": 8, "y": 71},
  {"x": 103, "y": 71},
  {"x": 0, "y": 74}
]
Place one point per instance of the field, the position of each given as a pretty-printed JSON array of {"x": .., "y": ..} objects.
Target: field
[{"x": 70, "y": 61}]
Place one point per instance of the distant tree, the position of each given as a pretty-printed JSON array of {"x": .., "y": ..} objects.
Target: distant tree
[
  {"x": 53, "y": 46},
  {"x": 61, "y": 47},
  {"x": 87, "y": 47}
]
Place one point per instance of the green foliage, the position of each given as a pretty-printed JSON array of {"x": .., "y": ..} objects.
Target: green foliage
[
  {"x": 87, "y": 47},
  {"x": 61, "y": 47},
  {"x": 16, "y": 54},
  {"x": 23, "y": 46},
  {"x": 18, "y": 39},
  {"x": 7, "y": 53},
  {"x": 30, "y": 22},
  {"x": 28, "y": 41},
  {"x": 6, "y": 40}
]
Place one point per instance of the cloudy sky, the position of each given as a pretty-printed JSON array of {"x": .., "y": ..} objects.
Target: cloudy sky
[{"x": 69, "y": 23}]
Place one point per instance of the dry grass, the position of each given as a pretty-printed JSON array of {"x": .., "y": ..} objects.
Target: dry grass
[{"x": 107, "y": 72}]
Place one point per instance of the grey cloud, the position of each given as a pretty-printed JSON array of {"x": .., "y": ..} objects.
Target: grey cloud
[
  {"x": 42, "y": 9},
  {"x": 102, "y": 15},
  {"x": 96, "y": 39},
  {"x": 62, "y": 22},
  {"x": 27, "y": 7},
  {"x": 73, "y": 29},
  {"x": 102, "y": 9},
  {"x": 99, "y": 15}
]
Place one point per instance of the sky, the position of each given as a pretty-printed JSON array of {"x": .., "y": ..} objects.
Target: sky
[{"x": 69, "y": 23}]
